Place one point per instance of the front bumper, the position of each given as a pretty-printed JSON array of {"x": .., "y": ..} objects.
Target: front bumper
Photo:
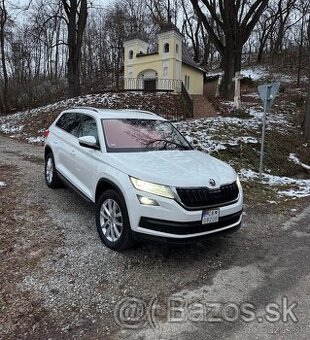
[
  {"x": 171, "y": 221},
  {"x": 188, "y": 240},
  {"x": 190, "y": 228}
]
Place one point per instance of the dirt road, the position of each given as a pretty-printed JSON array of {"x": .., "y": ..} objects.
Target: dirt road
[{"x": 58, "y": 281}]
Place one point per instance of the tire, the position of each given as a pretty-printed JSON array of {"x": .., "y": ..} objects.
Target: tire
[
  {"x": 50, "y": 173},
  {"x": 112, "y": 221}
]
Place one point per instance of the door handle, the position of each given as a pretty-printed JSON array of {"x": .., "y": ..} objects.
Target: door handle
[{"x": 73, "y": 152}]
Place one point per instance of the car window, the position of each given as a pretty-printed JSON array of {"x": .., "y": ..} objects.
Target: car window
[
  {"x": 88, "y": 127},
  {"x": 70, "y": 122}
]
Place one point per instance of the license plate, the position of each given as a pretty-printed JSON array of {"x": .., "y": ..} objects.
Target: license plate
[{"x": 210, "y": 216}]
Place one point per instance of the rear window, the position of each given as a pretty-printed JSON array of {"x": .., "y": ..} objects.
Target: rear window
[
  {"x": 134, "y": 135},
  {"x": 70, "y": 122}
]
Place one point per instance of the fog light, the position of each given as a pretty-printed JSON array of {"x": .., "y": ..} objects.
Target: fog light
[{"x": 147, "y": 201}]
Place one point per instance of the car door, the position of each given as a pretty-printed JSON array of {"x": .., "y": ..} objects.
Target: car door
[
  {"x": 86, "y": 160},
  {"x": 64, "y": 140}
]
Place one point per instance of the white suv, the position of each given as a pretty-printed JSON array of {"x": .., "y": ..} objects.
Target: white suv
[{"x": 145, "y": 178}]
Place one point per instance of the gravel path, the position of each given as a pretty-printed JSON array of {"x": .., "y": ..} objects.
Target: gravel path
[{"x": 59, "y": 281}]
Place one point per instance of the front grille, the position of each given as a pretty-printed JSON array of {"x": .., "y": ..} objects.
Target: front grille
[{"x": 204, "y": 197}]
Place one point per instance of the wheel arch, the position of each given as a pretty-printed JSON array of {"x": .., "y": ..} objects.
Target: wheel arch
[
  {"x": 47, "y": 150},
  {"x": 106, "y": 184}
]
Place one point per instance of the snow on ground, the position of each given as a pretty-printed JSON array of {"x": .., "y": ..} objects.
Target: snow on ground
[
  {"x": 300, "y": 187},
  {"x": 218, "y": 133},
  {"x": 263, "y": 74},
  {"x": 292, "y": 157},
  {"x": 35, "y": 140},
  {"x": 14, "y": 123},
  {"x": 2, "y": 184},
  {"x": 255, "y": 73},
  {"x": 10, "y": 128}
]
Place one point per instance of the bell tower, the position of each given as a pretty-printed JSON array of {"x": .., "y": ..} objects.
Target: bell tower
[
  {"x": 170, "y": 50},
  {"x": 133, "y": 45}
]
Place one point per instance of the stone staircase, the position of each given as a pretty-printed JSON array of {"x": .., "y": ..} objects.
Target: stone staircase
[{"x": 202, "y": 107}]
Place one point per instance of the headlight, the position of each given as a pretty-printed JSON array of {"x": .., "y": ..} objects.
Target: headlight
[{"x": 156, "y": 189}]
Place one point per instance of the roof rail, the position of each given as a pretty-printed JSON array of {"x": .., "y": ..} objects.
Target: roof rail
[
  {"x": 142, "y": 111},
  {"x": 86, "y": 108}
]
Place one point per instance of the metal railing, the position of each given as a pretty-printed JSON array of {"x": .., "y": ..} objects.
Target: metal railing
[{"x": 153, "y": 85}]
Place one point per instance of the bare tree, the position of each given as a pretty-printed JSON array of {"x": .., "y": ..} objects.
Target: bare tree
[
  {"x": 283, "y": 23},
  {"x": 306, "y": 122},
  {"x": 236, "y": 19},
  {"x": 304, "y": 11},
  {"x": 266, "y": 25},
  {"x": 76, "y": 17},
  {"x": 3, "y": 22}
]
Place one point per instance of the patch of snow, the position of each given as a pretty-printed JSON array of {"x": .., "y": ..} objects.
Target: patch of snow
[
  {"x": 301, "y": 186},
  {"x": 292, "y": 157},
  {"x": 10, "y": 128},
  {"x": 34, "y": 140},
  {"x": 252, "y": 95},
  {"x": 207, "y": 130},
  {"x": 2, "y": 184},
  {"x": 228, "y": 103},
  {"x": 247, "y": 140},
  {"x": 300, "y": 192},
  {"x": 254, "y": 73}
]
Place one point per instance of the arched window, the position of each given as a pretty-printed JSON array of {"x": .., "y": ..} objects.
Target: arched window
[
  {"x": 130, "y": 55},
  {"x": 166, "y": 48},
  {"x": 176, "y": 48}
]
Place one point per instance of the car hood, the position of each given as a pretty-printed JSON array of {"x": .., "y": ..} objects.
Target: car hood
[{"x": 174, "y": 168}]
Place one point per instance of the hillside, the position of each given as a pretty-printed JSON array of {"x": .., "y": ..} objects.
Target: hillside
[
  {"x": 232, "y": 137},
  {"x": 29, "y": 125}
]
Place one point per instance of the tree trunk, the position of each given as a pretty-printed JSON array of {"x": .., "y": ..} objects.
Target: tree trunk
[
  {"x": 306, "y": 122},
  {"x": 237, "y": 58},
  {"x": 76, "y": 13},
  {"x": 226, "y": 86},
  {"x": 261, "y": 51},
  {"x": 74, "y": 72},
  {"x": 3, "y": 18}
]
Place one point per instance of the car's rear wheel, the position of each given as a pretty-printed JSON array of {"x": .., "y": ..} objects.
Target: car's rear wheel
[
  {"x": 112, "y": 221},
  {"x": 51, "y": 177}
]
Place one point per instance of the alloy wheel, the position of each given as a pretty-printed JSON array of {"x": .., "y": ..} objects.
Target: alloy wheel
[
  {"x": 49, "y": 170},
  {"x": 111, "y": 220}
]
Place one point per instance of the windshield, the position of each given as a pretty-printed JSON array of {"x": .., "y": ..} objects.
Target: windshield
[{"x": 133, "y": 135}]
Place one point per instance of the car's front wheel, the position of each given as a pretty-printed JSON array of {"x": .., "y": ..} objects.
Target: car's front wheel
[
  {"x": 112, "y": 221},
  {"x": 51, "y": 177}
]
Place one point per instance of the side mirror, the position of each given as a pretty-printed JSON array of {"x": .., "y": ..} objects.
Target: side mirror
[{"x": 89, "y": 142}]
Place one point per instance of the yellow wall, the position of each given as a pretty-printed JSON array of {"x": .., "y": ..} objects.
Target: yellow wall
[
  {"x": 148, "y": 62},
  {"x": 196, "y": 79},
  {"x": 173, "y": 60}
]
